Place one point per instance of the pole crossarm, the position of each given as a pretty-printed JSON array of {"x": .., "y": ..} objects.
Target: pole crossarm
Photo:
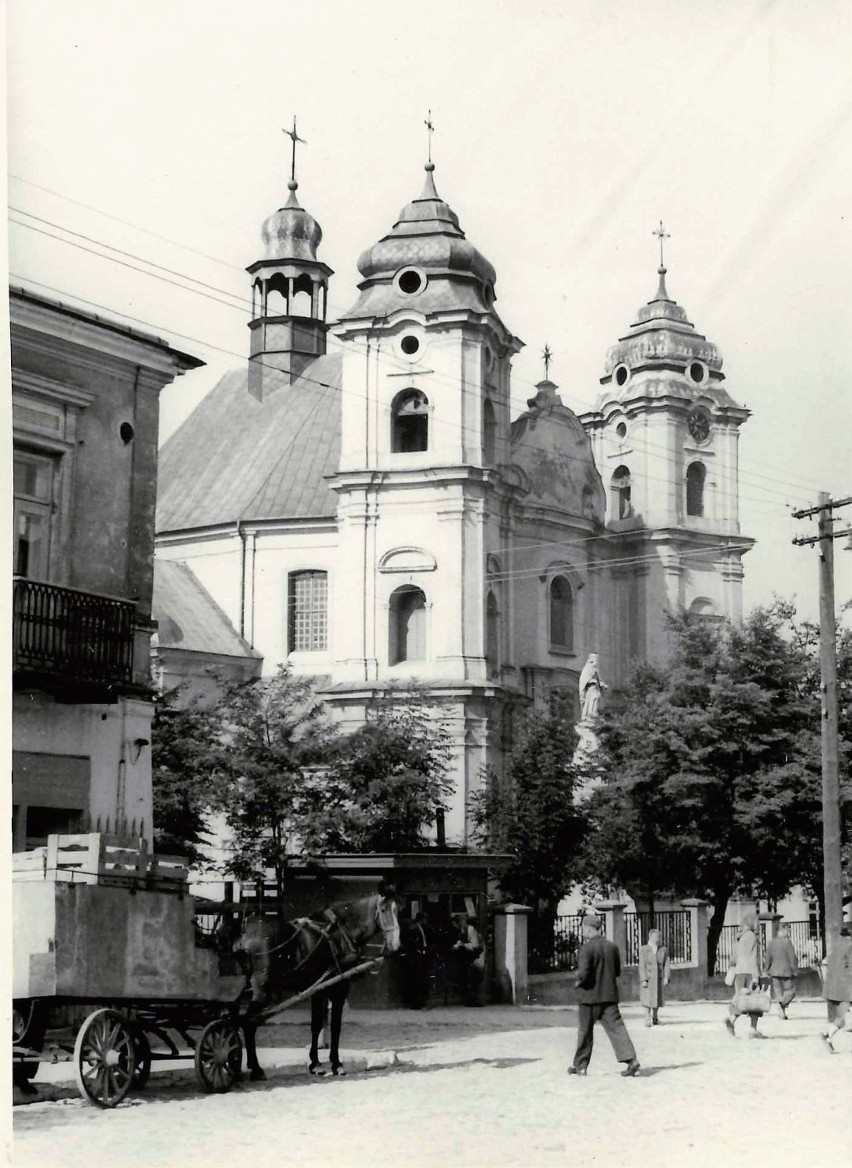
[{"x": 828, "y": 505}]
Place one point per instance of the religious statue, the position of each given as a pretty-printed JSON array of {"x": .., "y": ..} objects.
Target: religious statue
[{"x": 590, "y": 689}]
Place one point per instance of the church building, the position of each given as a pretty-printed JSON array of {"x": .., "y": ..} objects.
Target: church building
[{"x": 359, "y": 502}]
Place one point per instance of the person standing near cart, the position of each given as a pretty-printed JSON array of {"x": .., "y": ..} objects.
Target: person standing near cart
[{"x": 597, "y": 996}]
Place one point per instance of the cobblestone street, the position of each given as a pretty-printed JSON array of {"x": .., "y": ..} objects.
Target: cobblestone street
[{"x": 463, "y": 1088}]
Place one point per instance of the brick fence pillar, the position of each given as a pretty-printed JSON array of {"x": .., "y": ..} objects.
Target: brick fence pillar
[{"x": 612, "y": 912}]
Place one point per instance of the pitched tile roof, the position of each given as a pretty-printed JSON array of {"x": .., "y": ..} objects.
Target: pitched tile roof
[
  {"x": 239, "y": 458},
  {"x": 188, "y": 616}
]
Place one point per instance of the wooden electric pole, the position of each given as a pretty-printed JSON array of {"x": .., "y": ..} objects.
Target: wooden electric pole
[{"x": 832, "y": 872}]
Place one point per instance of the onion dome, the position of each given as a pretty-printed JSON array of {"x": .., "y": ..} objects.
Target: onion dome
[
  {"x": 663, "y": 355},
  {"x": 425, "y": 255},
  {"x": 291, "y": 233}
]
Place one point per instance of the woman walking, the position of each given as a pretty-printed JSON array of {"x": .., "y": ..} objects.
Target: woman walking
[
  {"x": 654, "y": 974},
  {"x": 744, "y": 965}
]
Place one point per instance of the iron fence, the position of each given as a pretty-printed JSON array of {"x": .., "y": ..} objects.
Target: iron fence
[
  {"x": 805, "y": 936},
  {"x": 554, "y": 950},
  {"x": 675, "y": 928},
  {"x": 72, "y": 634}
]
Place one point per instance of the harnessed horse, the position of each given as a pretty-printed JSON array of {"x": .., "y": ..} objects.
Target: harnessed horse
[{"x": 290, "y": 958}]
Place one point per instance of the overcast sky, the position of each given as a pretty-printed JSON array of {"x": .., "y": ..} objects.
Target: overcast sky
[{"x": 564, "y": 132}]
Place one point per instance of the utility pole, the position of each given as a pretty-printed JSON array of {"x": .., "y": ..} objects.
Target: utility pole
[{"x": 832, "y": 874}]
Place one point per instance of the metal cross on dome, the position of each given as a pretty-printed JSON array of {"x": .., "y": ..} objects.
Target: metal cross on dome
[
  {"x": 294, "y": 137},
  {"x": 661, "y": 234},
  {"x": 430, "y": 130},
  {"x": 547, "y": 357}
]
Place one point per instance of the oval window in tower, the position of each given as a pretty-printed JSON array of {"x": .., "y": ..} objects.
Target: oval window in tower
[
  {"x": 410, "y": 281},
  {"x": 620, "y": 374}
]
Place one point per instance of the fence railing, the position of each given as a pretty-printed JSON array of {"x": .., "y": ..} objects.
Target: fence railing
[
  {"x": 675, "y": 927},
  {"x": 67, "y": 633},
  {"x": 555, "y": 950},
  {"x": 805, "y": 935}
]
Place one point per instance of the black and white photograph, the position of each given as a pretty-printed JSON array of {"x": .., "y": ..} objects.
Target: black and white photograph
[{"x": 429, "y": 703}]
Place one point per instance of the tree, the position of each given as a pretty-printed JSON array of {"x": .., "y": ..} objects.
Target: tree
[
  {"x": 180, "y": 775},
  {"x": 273, "y": 738},
  {"x": 712, "y": 782},
  {"x": 386, "y": 784},
  {"x": 530, "y": 814}
]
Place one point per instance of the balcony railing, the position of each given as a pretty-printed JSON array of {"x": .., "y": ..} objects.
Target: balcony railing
[{"x": 64, "y": 633}]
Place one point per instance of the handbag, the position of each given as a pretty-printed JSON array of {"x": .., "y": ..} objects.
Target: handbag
[
  {"x": 752, "y": 1001},
  {"x": 731, "y": 975}
]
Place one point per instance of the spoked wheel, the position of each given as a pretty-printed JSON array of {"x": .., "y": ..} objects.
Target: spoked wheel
[
  {"x": 142, "y": 1051},
  {"x": 218, "y": 1056},
  {"x": 105, "y": 1058}
]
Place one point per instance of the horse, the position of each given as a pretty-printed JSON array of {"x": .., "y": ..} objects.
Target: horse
[{"x": 285, "y": 959}]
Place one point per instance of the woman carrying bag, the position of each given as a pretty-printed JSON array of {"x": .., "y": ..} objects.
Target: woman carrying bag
[{"x": 745, "y": 971}]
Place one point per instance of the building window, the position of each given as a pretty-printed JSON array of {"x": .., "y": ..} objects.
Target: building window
[
  {"x": 492, "y": 636},
  {"x": 561, "y": 614},
  {"x": 407, "y": 613},
  {"x": 308, "y": 630},
  {"x": 301, "y": 302},
  {"x": 410, "y": 422},
  {"x": 489, "y": 434},
  {"x": 695, "y": 475},
  {"x": 33, "y": 485},
  {"x": 619, "y": 489}
]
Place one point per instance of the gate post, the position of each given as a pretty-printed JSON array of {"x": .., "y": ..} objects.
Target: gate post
[
  {"x": 697, "y": 910},
  {"x": 510, "y": 952},
  {"x": 616, "y": 927}
]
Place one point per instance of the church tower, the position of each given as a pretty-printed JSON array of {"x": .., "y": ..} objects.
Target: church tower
[
  {"x": 421, "y": 500},
  {"x": 665, "y": 432},
  {"x": 289, "y": 293}
]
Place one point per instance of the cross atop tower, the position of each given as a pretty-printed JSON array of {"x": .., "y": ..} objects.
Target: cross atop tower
[
  {"x": 661, "y": 234},
  {"x": 547, "y": 357},
  {"x": 294, "y": 137},
  {"x": 430, "y": 130}
]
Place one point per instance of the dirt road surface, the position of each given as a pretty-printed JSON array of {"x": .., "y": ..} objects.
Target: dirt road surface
[{"x": 460, "y": 1088}]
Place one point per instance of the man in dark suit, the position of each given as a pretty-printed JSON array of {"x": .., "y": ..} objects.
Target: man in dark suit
[{"x": 597, "y": 996}]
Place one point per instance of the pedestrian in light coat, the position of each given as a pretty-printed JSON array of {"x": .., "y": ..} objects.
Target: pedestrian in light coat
[
  {"x": 597, "y": 996},
  {"x": 654, "y": 974},
  {"x": 747, "y": 971},
  {"x": 781, "y": 963}
]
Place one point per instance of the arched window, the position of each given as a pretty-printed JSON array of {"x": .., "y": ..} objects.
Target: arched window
[
  {"x": 301, "y": 304},
  {"x": 257, "y": 298},
  {"x": 407, "y": 613},
  {"x": 410, "y": 422},
  {"x": 276, "y": 296},
  {"x": 696, "y": 473},
  {"x": 619, "y": 489},
  {"x": 492, "y": 635},
  {"x": 703, "y": 607},
  {"x": 308, "y": 612},
  {"x": 489, "y": 434},
  {"x": 561, "y": 614}
]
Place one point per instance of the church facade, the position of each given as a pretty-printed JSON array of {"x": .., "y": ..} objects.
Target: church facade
[{"x": 359, "y": 501}]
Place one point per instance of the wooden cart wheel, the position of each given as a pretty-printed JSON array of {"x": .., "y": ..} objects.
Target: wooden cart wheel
[
  {"x": 218, "y": 1056},
  {"x": 104, "y": 1058},
  {"x": 28, "y": 1026},
  {"x": 142, "y": 1051}
]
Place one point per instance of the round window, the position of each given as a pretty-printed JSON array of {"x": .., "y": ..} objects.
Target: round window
[
  {"x": 621, "y": 374},
  {"x": 410, "y": 281},
  {"x": 621, "y": 429},
  {"x": 409, "y": 345},
  {"x": 487, "y": 295},
  {"x": 697, "y": 371}
]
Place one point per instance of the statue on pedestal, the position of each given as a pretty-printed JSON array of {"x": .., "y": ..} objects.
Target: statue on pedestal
[{"x": 591, "y": 688}]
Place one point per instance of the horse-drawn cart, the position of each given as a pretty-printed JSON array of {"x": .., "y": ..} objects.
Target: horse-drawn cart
[
  {"x": 107, "y": 971},
  {"x": 110, "y": 971}
]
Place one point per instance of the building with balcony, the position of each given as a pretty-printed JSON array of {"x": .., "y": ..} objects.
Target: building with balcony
[{"x": 85, "y": 402}]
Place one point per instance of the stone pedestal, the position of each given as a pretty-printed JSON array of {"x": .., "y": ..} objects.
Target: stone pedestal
[
  {"x": 612, "y": 912},
  {"x": 697, "y": 910},
  {"x": 510, "y": 952}
]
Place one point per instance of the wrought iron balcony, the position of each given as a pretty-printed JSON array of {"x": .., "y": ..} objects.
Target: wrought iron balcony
[{"x": 64, "y": 634}]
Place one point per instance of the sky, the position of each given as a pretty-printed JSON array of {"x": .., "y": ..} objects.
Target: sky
[{"x": 564, "y": 132}]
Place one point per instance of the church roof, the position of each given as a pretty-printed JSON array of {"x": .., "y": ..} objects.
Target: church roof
[
  {"x": 239, "y": 458},
  {"x": 188, "y": 616}
]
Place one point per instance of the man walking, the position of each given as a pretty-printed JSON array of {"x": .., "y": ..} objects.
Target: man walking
[
  {"x": 597, "y": 996},
  {"x": 781, "y": 964}
]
